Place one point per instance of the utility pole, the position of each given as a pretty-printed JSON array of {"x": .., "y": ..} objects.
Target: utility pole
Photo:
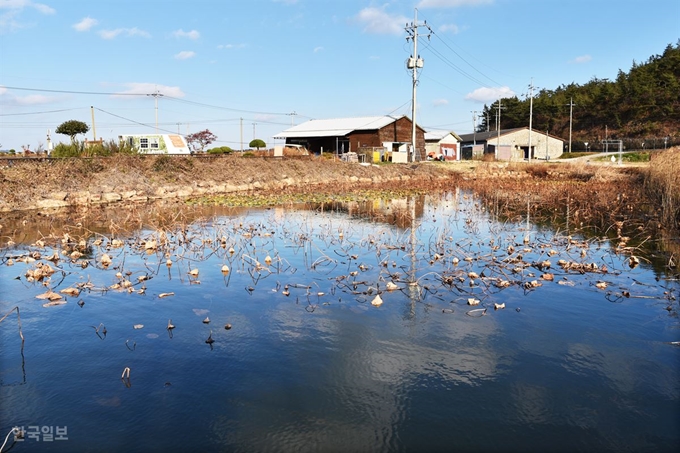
[
  {"x": 606, "y": 138},
  {"x": 531, "y": 112},
  {"x": 474, "y": 127},
  {"x": 413, "y": 63},
  {"x": 178, "y": 128},
  {"x": 571, "y": 109},
  {"x": 498, "y": 128},
  {"x": 292, "y": 114},
  {"x": 94, "y": 129},
  {"x": 241, "y": 134},
  {"x": 254, "y": 124},
  {"x": 156, "y": 95}
]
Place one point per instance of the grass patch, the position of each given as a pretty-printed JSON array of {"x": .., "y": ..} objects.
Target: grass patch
[{"x": 663, "y": 185}]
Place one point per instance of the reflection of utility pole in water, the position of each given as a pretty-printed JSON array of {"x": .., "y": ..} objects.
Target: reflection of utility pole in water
[
  {"x": 413, "y": 290},
  {"x": 526, "y": 235}
]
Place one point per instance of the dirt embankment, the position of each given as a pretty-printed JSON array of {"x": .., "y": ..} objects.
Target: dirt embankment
[
  {"x": 603, "y": 196},
  {"x": 33, "y": 184}
]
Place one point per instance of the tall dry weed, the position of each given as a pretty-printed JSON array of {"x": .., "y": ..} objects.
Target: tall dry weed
[{"x": 663, "y": 185}]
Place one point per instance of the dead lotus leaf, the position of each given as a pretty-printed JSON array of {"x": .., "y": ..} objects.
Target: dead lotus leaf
[
  {"x": 473, "y": 301},
  {"x": 499, "y": 306},
  {"x": 532, "y": 284},
  {"x": 502, "y": 283},
  {"x": 162, "y": 295},
  {"x": 548, "y": 277},
  {"x": 138, "y": 326},
  {"x": 106, "y": 260},
  {"x": 116, "y": 243},
  {"x": 53, "y": 303},
  {"x": 49, "y": 295},
  {"x": 633, "y": 261},
  {"x": 377, "y": 301},
  {"x": 601, "y": 285},
  {"x": 391, "y": 286},
  {"x": 193, "y": 272},
  {"x": 70, "y": 291}
]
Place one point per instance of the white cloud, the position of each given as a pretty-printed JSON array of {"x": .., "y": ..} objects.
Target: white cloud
[
  {"x": 451, "y": 3},
  {"x": 43, "y": 8},
  {"x": 231, "y": 46},
  {"x": 490, "y": 94},
  {"x": 9, "y": 98},
  {"x": 85, "y": 24},
  {"x": 185, "y": 55},
  {"x": 21, "y": 4},
  {"x": 33, "y": 99},
  {"x": 129, "y": 32},
  {"x": 9, "y": 21},
  {"x": 318, "y": 49},
  {"x": 193, "y": 34},
  {"x": 378, "y": 21},
  {"x": 144, "y": 89},
  {"x": 439, "y": 102},
  {"x": 582, "y": 59},
  {"x": 449, "y": 28}
]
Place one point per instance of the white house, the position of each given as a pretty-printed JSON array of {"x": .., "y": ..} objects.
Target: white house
[
  {"x": 442, "y": 144},
  {"x": 513, "y": 144},
  {"x": 157, "y": 143}
]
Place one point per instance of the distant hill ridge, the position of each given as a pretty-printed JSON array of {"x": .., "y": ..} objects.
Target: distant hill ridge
[{"x": 643, "y": 103}]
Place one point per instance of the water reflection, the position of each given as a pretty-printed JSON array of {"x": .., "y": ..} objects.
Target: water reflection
[{"x": 310, "y": 363}]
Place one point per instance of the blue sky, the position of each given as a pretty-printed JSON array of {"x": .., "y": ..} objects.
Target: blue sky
[{"x": 251, "y": 68}]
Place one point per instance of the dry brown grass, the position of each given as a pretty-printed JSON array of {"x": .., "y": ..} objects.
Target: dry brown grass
[{"x": 663, "y": 185}]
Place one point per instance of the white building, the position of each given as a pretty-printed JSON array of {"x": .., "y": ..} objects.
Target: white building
[
  {"x": 513, "y": 144},
  {"x": 157, "y": 143},
  {"x": 442, "y": 145}
]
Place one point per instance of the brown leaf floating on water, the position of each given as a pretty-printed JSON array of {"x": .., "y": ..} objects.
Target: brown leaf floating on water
[
  {"x": 49, "y": 295},
  {"x": 70, "y": 291},
  {"x": 53, "y": 303}
]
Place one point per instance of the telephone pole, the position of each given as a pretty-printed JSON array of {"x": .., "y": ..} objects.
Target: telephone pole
[
  {"x": 156, "y": 95},
  {"x": 414, "y": 63},
  {"x": 254, "y": 124},
  {"x": 474, "y": 127},
  {"x": 241, "y": 134},
  {"x": 498, "y": 128},
  {"x": 531, "y": 112},
  {"x": 571, "y": 110},
  {"x": 292, "y": 114}
]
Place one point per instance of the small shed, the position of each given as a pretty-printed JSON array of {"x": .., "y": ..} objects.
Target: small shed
[
  {"x": 513, "y": 144},
  {"x": 442, "y": 145},
  {"x": 157, "y": 143},
  {"x": 392, "y": 135}
]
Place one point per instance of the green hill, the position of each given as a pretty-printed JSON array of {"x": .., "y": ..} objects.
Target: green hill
[{"x": 640, "y": 106}]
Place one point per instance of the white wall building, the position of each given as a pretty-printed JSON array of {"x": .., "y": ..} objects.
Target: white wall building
[
  {"x": 157, "y": 143},
  {"x": 442, "y": 144}
]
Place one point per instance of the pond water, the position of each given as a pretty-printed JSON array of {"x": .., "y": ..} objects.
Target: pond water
[{"x": 491, "y": 336}]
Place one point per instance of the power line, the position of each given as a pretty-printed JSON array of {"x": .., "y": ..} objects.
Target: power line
[
  {"x": 225, "y": 108},
  {"x": 133, "y": 121},
  {"x": 40, "y": 113},
  {"x": 157, "y": 93},
  {"x": 45, "y": 90},
  {"x": 465, "y": 61}
]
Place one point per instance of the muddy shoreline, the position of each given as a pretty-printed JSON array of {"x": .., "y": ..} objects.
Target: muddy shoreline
[{"x": 48, "y": 185}]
